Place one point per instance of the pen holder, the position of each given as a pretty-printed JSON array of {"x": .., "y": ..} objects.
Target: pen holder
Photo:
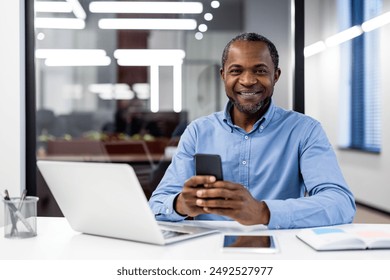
[{"x": 20, "y": 217}]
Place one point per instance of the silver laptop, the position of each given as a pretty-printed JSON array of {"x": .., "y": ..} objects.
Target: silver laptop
[{"x": 107, "y": 199}]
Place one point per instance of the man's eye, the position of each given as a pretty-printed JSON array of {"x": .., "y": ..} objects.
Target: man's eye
[
  {"x": 261, "y": 71},
  {"x": 235, "y": 71}
]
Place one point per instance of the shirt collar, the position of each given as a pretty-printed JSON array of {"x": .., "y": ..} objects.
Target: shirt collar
[{"x": 264, "y": 120}]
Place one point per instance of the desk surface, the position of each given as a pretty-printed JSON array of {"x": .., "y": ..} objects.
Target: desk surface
[{"x": 56, "y": 240}]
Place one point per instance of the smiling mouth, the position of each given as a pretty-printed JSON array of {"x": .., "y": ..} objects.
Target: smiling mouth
[{"x": 248, "y": 93}]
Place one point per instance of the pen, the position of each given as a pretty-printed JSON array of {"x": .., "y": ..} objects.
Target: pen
[
  {"x": 13, "y": 220},
  {"x": 18, "y": 214},
  {"x": 22, "y": 197}
]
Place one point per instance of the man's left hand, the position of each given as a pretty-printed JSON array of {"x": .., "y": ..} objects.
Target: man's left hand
[{"x": 232, "y": 200}]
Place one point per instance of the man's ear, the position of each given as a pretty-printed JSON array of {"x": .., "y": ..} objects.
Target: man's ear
[
  {"x": 277, "y": 75},
  {"x": 221, "y": 72}
]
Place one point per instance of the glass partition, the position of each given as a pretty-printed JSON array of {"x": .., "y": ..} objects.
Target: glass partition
[{"x": 118, "y": 81}]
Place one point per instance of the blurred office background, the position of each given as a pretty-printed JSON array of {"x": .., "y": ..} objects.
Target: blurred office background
[{"x": 124, "y": 94}]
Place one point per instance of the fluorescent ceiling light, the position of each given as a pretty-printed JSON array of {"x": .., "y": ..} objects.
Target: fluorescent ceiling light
[
  {"x": 99, "y": 88},
  {"x": 208, "y": 16},
  {"x": 314, "y": 49},
  {"x": 122, "y": 95},
  {"x": 154, "y": 89},
  {"x": 376, "y": 22},
  {"x": 77, "y": 9},
  {"x": 202, "y": 27},
  {"x": 348, "y": 34},
  {"x": 52, "y": 7},
  {"x": 140, "y": 61},
  {"x": 79, "y": 53},
  {"x": 60, "y": 23},
  {"x": 344, "y": 36},
  {"x": 73, "y": 57},
  {"x": 152, "y": 7},
  {"x": 155, "y": 58},
  {"x": 147, "y": 57},
  {"x": 148, "y": 24},
  {"x": 85, "y": 61},
  {"x": 177, "y": 85},
  {"x": 215, "y": 4},
  {"x": 41, "y": 36},
  {"x": 151, "y": 53},
  {"x": 61, "y": 7},
  {"x": 142, "y": 90},
  {"x": 112, "y": 91},
  {"x": 198, "y": 35},
  {"x": 148, "y": 62}
]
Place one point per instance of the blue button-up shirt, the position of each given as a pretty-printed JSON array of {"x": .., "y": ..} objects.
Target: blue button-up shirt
[{"x": 286, "y": 161}]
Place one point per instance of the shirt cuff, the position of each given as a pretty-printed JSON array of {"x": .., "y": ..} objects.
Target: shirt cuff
[
  {"x": 167, "y": 211},
  {"x": 279, "y": 218}
]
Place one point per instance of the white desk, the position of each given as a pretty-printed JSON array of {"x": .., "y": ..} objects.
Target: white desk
[{"x": 56, "y": 241}]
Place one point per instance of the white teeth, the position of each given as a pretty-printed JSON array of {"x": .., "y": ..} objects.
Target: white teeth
[{"x": 248, "y": 93}]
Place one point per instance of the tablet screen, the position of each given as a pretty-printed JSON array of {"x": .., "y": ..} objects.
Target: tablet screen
[{"x": 248, "y": 243}]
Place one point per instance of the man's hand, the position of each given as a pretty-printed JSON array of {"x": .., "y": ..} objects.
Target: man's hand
[
  {"x": 220, "y": 198},
  {"x": 186, "y": 201},
  {"x": 232, "y": 200}
]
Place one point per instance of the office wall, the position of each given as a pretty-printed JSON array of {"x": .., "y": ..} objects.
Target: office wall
[
  {"x": 273, "y": 20},
  {"x": 12, "y": 172},
  {"x": 367, "y": 174}
]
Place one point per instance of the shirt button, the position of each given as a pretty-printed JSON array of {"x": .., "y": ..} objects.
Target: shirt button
[
  {"x": 261, "y": 127},
  {"x": 244, "y": 162},
  {"x": 167, "y": 211},
  {"x": 246, "y": 137}
]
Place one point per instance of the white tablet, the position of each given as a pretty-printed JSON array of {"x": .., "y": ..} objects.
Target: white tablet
[{"x": 250, "y": 243}]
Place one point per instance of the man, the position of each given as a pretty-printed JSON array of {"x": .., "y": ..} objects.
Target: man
[{"x": 279, "y": 167}]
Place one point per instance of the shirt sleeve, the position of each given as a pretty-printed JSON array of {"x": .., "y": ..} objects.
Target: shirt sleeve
[
  {"x": 329, "y": 200},
  {"x": 180, "y": 169}
]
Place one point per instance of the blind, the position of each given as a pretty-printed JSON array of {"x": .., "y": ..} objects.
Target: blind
[
  {"x": 357, "y": 78},
  {"x": 361, "y": 61},
  {"x": 372, "y": 135}
]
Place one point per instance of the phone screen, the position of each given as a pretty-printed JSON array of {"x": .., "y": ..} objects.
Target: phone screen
[
  {"x": 208, "y": 164},
  {"x": 250, "y": 243}
]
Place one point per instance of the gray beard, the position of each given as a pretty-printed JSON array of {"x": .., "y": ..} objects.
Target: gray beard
[{"x": 252, "y": 108}]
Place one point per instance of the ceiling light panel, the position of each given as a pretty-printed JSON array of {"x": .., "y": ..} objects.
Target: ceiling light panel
[
  {"x": 77, "y": 9},
  {"x": 344, "y": 36},
  {"x": 59, "y": 23},
  {"x": 148, "y": 57},
  {"x": 147, "y": 24},
  {"x": 154, "y": 7},
  {"x": 52, "y": 7},
  {"x": 67, "y": 6},
  {"x": 73, "y": 61},
  {"x": 73, "y": 57},
  {"x": 376, "y": 22},
  {"x": 45, "y": 53}
]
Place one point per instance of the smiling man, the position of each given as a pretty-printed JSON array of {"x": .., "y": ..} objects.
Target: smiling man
[{"x": 279, "y": 167}]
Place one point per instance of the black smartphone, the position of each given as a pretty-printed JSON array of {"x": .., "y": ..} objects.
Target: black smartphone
[{"x": 208, "y": 164}]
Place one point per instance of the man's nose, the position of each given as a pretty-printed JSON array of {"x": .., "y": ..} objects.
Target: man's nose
[{"x": 248, "y": 79}]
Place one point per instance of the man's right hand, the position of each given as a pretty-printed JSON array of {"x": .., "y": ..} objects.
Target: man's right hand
[{"x": 186, "y": 200}]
